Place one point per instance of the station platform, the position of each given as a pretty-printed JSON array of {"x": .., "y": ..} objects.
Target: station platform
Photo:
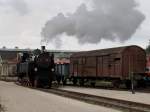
[{"x": 141, "y": 97}]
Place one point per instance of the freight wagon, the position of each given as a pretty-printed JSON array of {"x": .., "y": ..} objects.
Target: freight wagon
[
  {"x": 62, "y": 72},
  {"x": 116, "y": 64}
]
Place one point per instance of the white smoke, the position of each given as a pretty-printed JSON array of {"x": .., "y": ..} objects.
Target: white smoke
[{"x": 108, "y": 19}]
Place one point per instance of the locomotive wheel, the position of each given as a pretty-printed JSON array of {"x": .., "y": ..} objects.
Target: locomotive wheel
[
  {"x": 23, "y": 82},
  {"x": 50, "y": 84},
  {"x": 28, "y": 83},
  {"x": 116, "y": 83}
]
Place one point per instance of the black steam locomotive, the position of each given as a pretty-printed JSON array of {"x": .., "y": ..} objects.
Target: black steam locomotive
[{"x": 36, "y": 70}]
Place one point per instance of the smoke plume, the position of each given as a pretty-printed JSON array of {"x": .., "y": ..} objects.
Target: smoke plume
[{"x": 107, "y": 19}]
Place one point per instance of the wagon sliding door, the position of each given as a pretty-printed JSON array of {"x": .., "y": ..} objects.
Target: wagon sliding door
[
  {"x": 75, "y": 70},
  {"x": 133, "y": 63},
  {"x": 127, "y": 64},
  {"x": 103, "y": 66},
  {"x": 90, "y": 67},
  {"x": 99, "y": 66},
  {"x": 117, "y": 67},
  {"x": 74, "y": 67}
]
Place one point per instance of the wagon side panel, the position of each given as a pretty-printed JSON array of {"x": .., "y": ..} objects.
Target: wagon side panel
[{"x": 90, "y": 67}]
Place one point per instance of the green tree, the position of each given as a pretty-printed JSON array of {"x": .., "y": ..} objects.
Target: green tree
[{"x": 36, "y": 51}]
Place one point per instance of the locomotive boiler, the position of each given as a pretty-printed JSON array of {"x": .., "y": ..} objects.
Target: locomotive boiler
[{"x": 36, "y": 70}]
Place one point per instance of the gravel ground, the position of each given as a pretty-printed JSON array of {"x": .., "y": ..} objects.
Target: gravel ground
[
  {"x": 21, "y": 99},
  {"x": 125, "y": 95}
]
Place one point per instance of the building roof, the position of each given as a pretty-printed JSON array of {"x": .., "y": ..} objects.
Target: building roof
[
  {"x": 29, "y": 50},
  {"x": 11, "y": 54},
  {"x": 8, "y": 55}
]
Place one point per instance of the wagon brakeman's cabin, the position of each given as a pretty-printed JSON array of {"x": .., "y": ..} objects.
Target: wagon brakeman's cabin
[{"x": 115, "y": 64}]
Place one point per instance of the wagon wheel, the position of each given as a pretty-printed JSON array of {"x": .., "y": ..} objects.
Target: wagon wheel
[
  {"x": 93, "y": 84},
  {"x": 141, "y": 83},
  {"x": 128, "y": 84},
  {"x": 116, "y": 83},
  {"x": 74, "y": 81},
  {"x": 58, "y": 80},
  {"x": 64, "y": 82},
  {"x": 81, "y": 82}
]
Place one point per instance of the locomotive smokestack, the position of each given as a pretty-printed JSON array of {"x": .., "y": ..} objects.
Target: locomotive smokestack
[{"x": 42, "y": 48}]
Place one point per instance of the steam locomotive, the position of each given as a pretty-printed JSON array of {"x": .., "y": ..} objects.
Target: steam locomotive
[{"x": 36, "y": 70}]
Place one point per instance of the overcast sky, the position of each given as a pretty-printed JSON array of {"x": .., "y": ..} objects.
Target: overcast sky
[{"x": 21, "y": 23}]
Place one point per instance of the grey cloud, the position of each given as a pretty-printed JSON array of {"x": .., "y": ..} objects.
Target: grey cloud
[
  {"x": 18, "y": 5},
  {"x": 108, "y": 19}
]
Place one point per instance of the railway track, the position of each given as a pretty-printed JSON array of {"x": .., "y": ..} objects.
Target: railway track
[{"x": 126, "y": 106}]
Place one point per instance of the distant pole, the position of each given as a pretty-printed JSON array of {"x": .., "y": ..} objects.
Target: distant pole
[
  {"x": 132, "y": 83},
  {"x": 131, "y": 77}
]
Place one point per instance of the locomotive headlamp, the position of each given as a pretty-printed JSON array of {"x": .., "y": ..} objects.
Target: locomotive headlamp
[
  {"x": 35, "y": 69},
  {"x": 52, "y": 69}
]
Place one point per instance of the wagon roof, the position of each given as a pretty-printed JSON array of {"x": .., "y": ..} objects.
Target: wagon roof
[{"x": 102, "y": 52}]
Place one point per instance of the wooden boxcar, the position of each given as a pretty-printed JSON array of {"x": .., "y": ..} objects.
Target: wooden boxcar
[{"x": 115, "y": 64}]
